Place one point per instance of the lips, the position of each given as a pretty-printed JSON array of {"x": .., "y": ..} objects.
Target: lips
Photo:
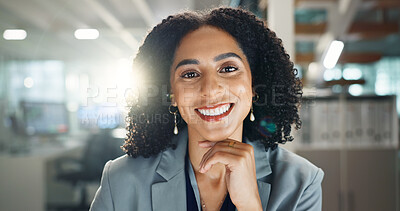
[{"x": 215, "y": 112}]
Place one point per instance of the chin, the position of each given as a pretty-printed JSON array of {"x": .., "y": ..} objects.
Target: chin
[
  {"x": 216, "y": 139},
  {"x": 216, "y": 134}
]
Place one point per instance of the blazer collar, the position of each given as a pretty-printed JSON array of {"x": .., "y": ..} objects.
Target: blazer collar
[
  {"x": 171, "y": 193},
  {"x": 263, "y": 167},
  {"x": 173, "y": 161}
]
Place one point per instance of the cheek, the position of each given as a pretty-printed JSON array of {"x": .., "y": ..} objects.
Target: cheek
[
  {"x": 185, "y": 99},
  {"x": 187, "y": 113},
  {"x": 244, "y": 91},
  {"x": 185, "y": 96}
]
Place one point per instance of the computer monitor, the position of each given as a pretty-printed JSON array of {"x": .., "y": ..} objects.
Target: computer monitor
[{"x": 44, "y": 118}]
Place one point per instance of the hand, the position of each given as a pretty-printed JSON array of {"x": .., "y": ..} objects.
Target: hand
[{"x": 241, "y": 179}]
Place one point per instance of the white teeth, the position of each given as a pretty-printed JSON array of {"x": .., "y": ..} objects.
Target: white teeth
[
  {"x": 212, "y": 112},
  {"x": 215, "y": 111}
]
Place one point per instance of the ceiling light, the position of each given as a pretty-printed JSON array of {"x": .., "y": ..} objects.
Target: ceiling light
[
  {"x": 14, "y": 34},
  {"x": 333, "y": 54},
  {"x": 86, "y": 34},
  {"x": 28, "y": 82}
]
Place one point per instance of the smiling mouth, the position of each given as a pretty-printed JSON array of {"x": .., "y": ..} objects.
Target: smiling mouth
[{"x": 214, "y": 113}]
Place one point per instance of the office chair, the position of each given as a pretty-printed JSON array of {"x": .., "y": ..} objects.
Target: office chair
[{"x": 100, "y": 148}]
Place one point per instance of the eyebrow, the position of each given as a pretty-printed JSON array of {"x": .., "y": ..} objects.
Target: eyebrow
[
  {"x": 226, "y": 55},
  {"x": 217, "y": 58},
  {"x": 187, "y": 61}
]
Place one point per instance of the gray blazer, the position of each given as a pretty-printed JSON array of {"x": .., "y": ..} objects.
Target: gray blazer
[{"x": 285, "y": 180}]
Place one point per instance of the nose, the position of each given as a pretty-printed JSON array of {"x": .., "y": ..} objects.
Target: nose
[{"x": 212, "y": 87}]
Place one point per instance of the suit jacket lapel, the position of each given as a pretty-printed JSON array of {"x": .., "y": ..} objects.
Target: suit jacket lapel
[
  {"x": 264, "y": 190},
  {"x": 263, "y": 169},
  {"x": 170, "y": 194}
]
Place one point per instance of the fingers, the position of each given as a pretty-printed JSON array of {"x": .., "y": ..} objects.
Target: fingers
[
  {"x": 215, "y": 146},
  {"x": 225, "y": 158},
  {"x": 207, "y": 144},
  {"x": 222, "y": 153}
]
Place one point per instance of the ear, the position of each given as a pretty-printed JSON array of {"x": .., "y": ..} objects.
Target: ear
[
  {"x": 255, "y": 95},
  {"x": 173, "y": 101}
]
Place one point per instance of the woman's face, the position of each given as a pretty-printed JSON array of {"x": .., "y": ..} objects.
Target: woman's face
[{"x": 211, "y": 83}]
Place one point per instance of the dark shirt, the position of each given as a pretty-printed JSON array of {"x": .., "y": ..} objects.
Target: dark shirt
[{"x": 191, "y": 199}]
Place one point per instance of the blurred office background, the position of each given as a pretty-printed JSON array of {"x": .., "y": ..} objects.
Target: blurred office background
[{"x": 66, "y": 72}]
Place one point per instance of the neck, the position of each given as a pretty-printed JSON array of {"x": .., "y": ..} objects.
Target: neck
[{"x": 196, "y": 153}]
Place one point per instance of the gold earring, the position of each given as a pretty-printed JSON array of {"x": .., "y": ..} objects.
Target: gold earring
[
  {"x": 252, "y": 117},
  {"x": 175, "y": 114}
]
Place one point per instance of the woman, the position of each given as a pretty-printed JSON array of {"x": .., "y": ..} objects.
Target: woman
[{"x": 233, "y": 85}]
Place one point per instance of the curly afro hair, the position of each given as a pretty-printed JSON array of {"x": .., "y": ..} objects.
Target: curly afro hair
[{"x": 149, "y": 122}]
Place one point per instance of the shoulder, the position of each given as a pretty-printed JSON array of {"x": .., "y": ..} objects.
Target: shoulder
[
  {"x": 292, "y": 167},
  {"x": 132, "y": 169},
  {"x": 125, "y": 181},
  {"x": 295, "y": 181}
]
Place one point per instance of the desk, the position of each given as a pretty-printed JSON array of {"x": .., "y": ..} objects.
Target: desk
[{"x": 23, "y": 177}]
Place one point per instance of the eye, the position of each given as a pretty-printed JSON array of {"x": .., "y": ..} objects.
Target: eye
[
  {"x": 228, "y": 69},
  {"x": 190, "y": 75}
]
